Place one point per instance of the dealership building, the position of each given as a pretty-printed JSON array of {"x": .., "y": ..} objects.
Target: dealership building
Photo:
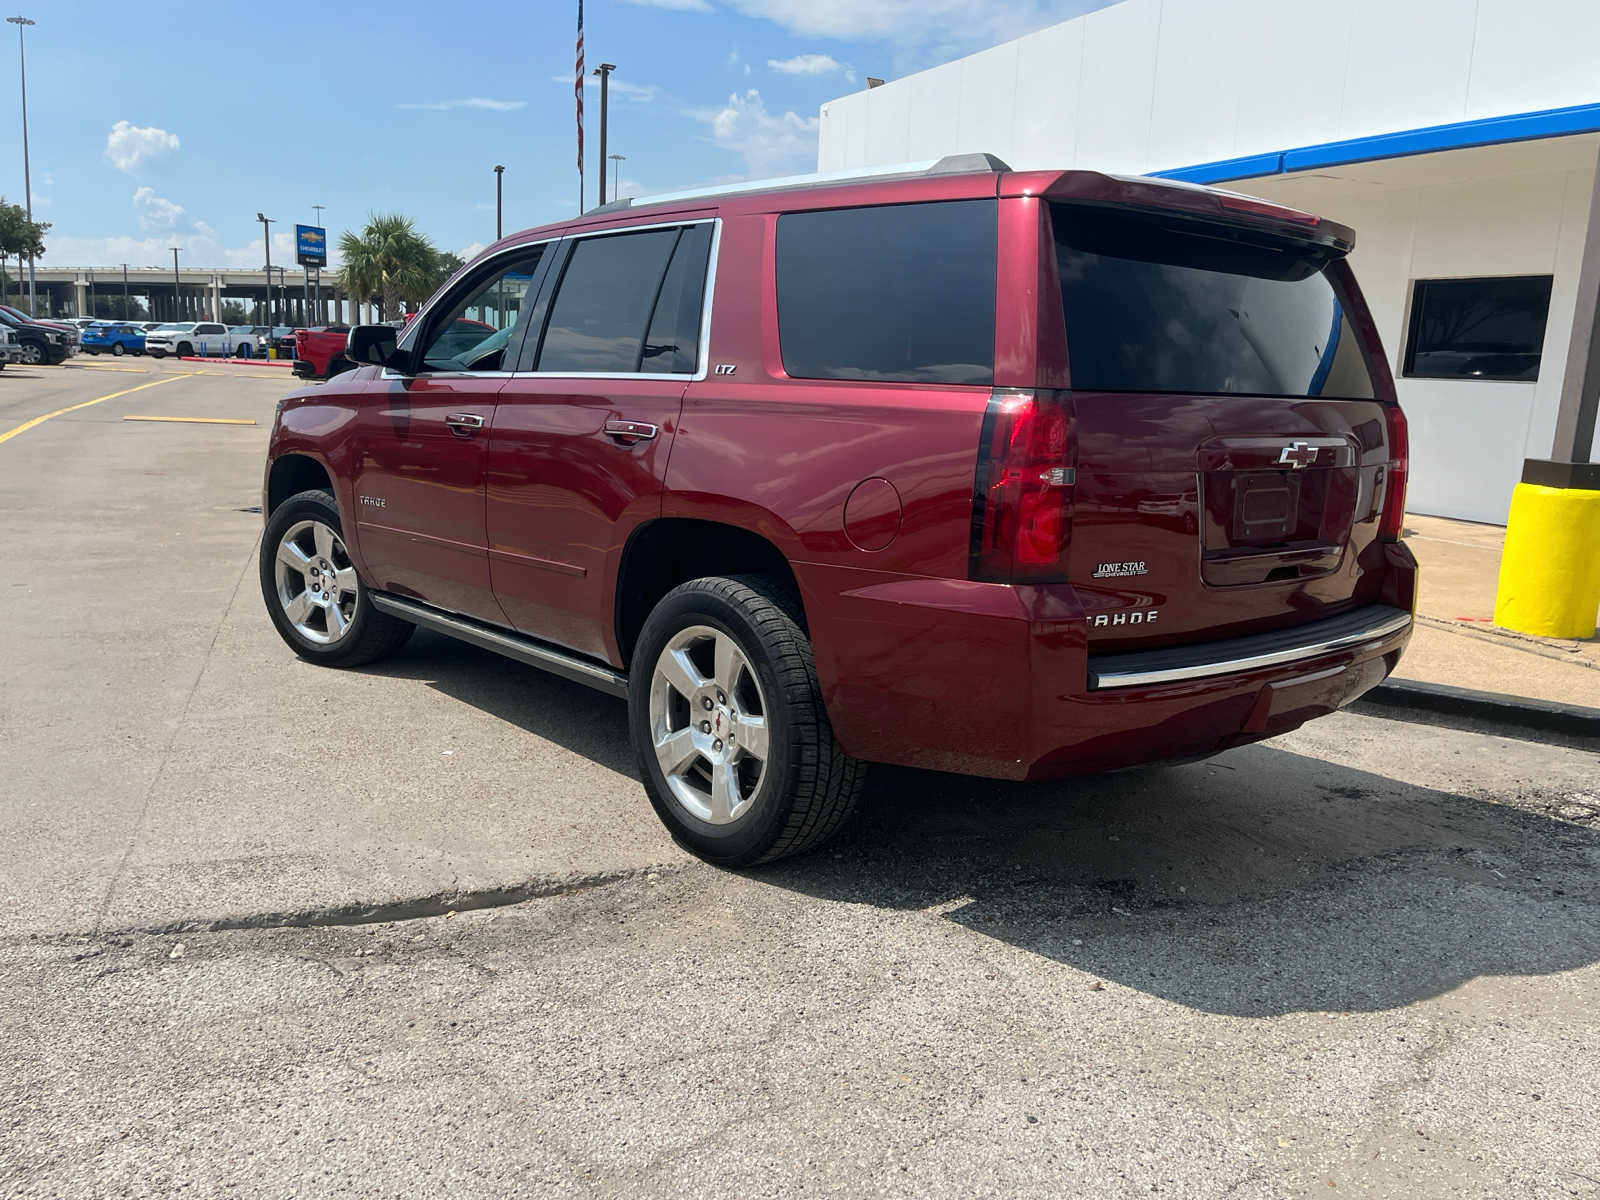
[{"x": 1458, "y": 137}]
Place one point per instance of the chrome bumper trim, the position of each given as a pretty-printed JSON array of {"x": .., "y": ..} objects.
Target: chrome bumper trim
[{"x": 1182, "y": 663}]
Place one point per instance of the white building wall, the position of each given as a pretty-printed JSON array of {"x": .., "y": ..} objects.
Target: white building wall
[{"x": 1150, "y": 85}]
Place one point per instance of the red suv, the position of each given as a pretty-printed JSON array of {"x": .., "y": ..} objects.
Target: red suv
[{"x": 1018, "y": 474}]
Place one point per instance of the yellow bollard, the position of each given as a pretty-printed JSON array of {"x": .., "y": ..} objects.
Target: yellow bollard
[{"x": 1550, "y": 570}]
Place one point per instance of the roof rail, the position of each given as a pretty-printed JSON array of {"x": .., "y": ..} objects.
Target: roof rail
[{"x": 950, "y": 164}]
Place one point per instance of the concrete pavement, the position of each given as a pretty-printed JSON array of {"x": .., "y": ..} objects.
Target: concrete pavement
[{"x": 1364, "y": 955}]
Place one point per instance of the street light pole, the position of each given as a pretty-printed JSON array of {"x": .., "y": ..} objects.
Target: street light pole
[
  {"x": 616, "y": 184},
  {"x": 604, "y": 71},
  {"x": 499, "y": 175},
  {"x": 27, "y": 175},
  {"x": 266, "y": 238}
]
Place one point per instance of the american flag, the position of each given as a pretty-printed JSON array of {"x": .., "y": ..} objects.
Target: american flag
[{"x": 577, "y": 89}]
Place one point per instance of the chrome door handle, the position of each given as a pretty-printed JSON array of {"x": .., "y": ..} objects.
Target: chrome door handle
[
  {"x": 629, "y": 432},
  {"x": 464, "y": 424}
]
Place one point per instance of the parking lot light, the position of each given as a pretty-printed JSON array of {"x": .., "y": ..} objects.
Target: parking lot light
[{"x": 22, "y": 23}]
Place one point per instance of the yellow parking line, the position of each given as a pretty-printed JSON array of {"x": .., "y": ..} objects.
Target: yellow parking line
[
  {"x": 98, "y": 367},
  {"x": 197, "y": 420},
  {"x": 27, "y": 425}
]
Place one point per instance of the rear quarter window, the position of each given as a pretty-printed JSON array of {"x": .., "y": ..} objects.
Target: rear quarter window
[{"x": 901, "y": 293}]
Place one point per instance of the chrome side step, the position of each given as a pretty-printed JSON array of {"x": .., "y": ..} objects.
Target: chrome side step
[{"x": 504, "y": 641}]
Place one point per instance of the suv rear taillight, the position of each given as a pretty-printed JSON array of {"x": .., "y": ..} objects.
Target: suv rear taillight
[
  {"x": 1022, "y": 503},
  {"x": 1391, "y": 522}
]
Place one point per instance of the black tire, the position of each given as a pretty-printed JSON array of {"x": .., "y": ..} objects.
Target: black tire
[
  {"x": 33, "y": 354},
  {"x": 809, "y": 786},
  {"x": 185, "y": 350},
  {"x": 91, "y": 350},
  {"x": 372, "y": 634},
  {"x": 338, "y": 366},
  {"x": 118, "y": 350}
]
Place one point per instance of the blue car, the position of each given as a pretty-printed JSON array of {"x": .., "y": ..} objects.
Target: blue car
[{"x": 113, "y": 337}]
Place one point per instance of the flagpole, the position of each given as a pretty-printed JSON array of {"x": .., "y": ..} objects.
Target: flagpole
[{"x": 577, "y": 89}]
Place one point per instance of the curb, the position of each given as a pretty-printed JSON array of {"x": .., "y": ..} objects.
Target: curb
[
  {"x": 239, "y": 362},
  {"x": 1543, "y": 715}
]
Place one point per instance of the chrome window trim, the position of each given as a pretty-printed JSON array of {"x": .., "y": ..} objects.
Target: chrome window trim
[
  {"x": 410, "y": 331},
  {"x": 1377, "y": 631},
  {"x": 703, "y": 366}
]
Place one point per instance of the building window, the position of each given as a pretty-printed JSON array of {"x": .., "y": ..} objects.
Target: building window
[{"x": 1477, "y": 328}]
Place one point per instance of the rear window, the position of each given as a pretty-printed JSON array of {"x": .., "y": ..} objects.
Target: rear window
[
  {"x": 903, "y": 293},
  {"x": 1157, "y": 304}
]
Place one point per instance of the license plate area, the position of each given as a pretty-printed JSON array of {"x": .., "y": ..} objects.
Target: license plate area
[{"x": 1265, "y": 523}]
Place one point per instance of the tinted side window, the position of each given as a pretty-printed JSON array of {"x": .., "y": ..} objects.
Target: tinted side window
[
  {"x": 901, "y": 292},
  {"x": 673, "y": 343},
  {"x": 1477, "y": 328},
  {"x": 597, "y": 322}
]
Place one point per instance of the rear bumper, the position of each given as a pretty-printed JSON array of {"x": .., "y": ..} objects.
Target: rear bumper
[{"x": 985, "y": 679}]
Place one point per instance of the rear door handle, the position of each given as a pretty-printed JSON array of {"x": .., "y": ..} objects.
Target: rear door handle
[
  {"x": 464, "y": 424},
  {"x": 628, "y": 432}
]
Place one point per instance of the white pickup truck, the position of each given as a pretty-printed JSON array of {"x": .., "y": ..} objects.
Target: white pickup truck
[{"x": 186, "y": 339}]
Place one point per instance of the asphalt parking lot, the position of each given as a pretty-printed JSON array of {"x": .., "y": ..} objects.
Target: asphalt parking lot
[{"x": 411, "y": 929}]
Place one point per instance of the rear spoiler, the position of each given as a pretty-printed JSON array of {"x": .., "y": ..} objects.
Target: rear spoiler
[{"x": 1175, "y": 196}]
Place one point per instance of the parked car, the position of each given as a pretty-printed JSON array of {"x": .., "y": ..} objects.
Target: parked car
[
  {"x": 189, "y": 339},
  {"x": 10, "y": 351},
  {"x": 37, "y": 343},
  {"x": 1017, "y": 474},
  {"x": 65, "y": 327},
  {"x": 246, "y": 339},
  {"x": 113, "y": 337},
  {"x": 280, "y": 339},
  {"x": 319, "y": 353}
]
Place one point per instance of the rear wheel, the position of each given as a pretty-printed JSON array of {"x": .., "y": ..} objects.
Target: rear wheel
[
  {"x": 316, "y": 600},
  {"x": 32, "y": 354},
  {"x": 338, "y": 366},
  {"x": 727, "y": 721}
]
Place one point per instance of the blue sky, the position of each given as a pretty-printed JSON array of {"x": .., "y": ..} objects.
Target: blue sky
[{"x": 167, "y": 126}]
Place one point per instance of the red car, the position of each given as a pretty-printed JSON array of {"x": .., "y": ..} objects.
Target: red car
[{"x": 1018, "y": 474}]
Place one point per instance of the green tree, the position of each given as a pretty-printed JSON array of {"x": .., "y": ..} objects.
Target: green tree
[
  {"x": 233, "y": 313},
  {"x": 19, "y": 236},
  {"x": 388, "y": 259},
  {"x": 445, "y": 265},
  {"x": 114, "y": 308}
]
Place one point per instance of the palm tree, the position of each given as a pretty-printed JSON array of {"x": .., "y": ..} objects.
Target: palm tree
[{"x": 389, "y": 259}]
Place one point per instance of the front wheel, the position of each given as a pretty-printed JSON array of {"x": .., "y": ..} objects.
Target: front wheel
[
  {"x": 185, "y": 350},
  {"x": 117, "y": 350},
  {"x": 317, "y": 602},
  {"x": 727, "y": 721}
]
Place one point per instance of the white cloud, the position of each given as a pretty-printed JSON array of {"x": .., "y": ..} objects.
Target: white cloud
[
  {"x": 157, "y": 214},
  {"x": 806, "y": 64},
  {"x": 470, "y": 251},
  {"x": 675, "y": 5},
  {"x": 617, "y": 87},
  {"x": 771, "y": 143},
  {"x": 479, "y": 102},
  {"x": 130, "y": 146}
]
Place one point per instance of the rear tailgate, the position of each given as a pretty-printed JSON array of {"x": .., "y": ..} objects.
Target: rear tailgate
[{"x": 1228, "y": 400}]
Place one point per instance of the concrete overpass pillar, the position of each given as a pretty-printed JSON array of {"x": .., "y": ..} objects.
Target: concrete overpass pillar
[
  {"x": 81, "y": 296},
  {"x": 216, "y": 297}
]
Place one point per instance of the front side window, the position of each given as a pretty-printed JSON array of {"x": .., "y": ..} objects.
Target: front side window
[
  {"x": 472, "y": 329},
  {"x": 1157, "y": 303},
  {"x": 901, "y": 293},
  {"x": 1477, "y": 328}
]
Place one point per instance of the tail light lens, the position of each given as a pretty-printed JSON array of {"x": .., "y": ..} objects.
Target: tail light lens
[
  {"x": 1391, "y": 522},
  {"x": 1022, "y": 516}
]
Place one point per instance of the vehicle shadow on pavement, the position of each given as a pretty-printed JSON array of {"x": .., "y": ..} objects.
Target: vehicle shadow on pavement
[{"x": 1259, "y": 883}]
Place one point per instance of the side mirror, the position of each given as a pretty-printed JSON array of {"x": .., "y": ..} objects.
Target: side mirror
[{"x": 374, "y": 345}]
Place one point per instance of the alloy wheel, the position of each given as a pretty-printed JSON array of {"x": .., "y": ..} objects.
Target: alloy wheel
[
  {"x": 31, "y": 354},
  {"x": 708, "y": 724},
  {"x": 316, "y": 582}
]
